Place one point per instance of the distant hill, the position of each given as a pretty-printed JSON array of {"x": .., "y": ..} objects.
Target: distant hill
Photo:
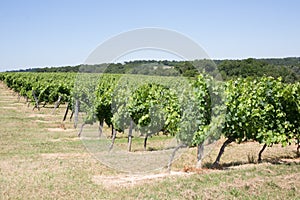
[{"x": 287, "y": 68}]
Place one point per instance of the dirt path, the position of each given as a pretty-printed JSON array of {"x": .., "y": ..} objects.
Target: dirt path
[{"x": 129, "y": 180}]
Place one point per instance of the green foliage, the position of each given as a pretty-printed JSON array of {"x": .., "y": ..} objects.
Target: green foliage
[
  {"x": 265, "y": 110},
  {"x": 196, "y": 112},
  {"x": 47, "y": 86}
]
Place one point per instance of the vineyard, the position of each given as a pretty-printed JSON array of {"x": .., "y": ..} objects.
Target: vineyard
[{"x": 194, "y": 111}]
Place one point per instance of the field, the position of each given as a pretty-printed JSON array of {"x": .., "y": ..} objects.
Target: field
[{"x": 43, "y": 159}]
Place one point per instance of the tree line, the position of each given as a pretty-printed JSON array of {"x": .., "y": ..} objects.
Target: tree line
[{"x": 287, "y": 68}]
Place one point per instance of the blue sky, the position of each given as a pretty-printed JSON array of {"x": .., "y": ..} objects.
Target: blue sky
[{"x": 35, "y": 33}]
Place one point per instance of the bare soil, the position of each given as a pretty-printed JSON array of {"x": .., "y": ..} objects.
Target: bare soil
[{"x": 129, "y": 180}]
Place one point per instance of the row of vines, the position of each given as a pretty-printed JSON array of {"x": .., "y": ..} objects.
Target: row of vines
[{"x": 194, "y": 111}]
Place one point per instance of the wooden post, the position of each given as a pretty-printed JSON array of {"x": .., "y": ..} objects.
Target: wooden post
[
  {"x": 260, "y": 153},
  {"x": 200, "y": 151},
  {"x": 56, "y": 104},
  {"x": 130, "y": 135},
  {"x": 76, "y": 113},
  {"x": 101, "y": 122},
  {"x": 217, "y": 161},
  {"x": 145, "y": 142},
  {"x": 66, "y": 112},
  {"x": 81, "y": 129},
  {"x": 36, "y": 101},
  {"x": 173, "y": 155},
  {"x": 114, "y": 134}
]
